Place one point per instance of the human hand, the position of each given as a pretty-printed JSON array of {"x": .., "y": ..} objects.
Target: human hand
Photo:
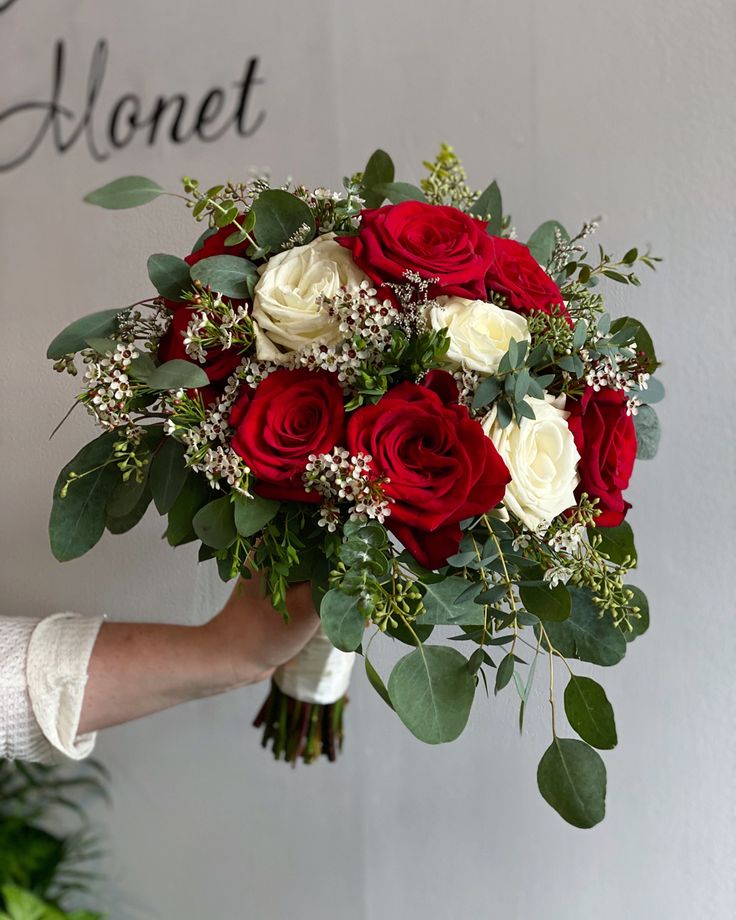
[{"x": 253, "y": 638}]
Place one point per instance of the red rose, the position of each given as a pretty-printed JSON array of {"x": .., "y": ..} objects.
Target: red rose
[
  {"x": 291, "y": 415},
  {"x": 214, "y": 245},
  {"x": 515, "y": 273},
  {"x": 432, "y": 240},
  {"x": 606, "y": 441},
  {"x": 219, "y": 364},
  {"x": 441, "y": 468}
]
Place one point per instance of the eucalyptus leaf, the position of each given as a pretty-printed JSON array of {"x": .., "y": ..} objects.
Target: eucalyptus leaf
[
  {"x": 445, "y": 607},
  {"x": 396, "y": 192},
  {"x": 648, "y": 433},
  {"x": 231, "y": 276},
  {"x": 192, "y": 497},
  {"x": 214, "y": 524},
  {"x": 589, "y": 712},
  {"x": 177, "y": 374},
  {"x": 77, "y": 520},
  {"x": 168, "y": 474},
  {"x": 76, "y": 335},
  {"x": 378, "y": 171},
  {"x": 616, "y": 542},
  {"x": 125, "y": 497},
  {"x": 544, "y": 239},
  {"x": 122, "y": 523},
  {"x": 488, "y": 205},
  {"x": 547, "y": 603},
  {"x": 127, "y": 192},
  {"x": 588, "y": 633},
  {"x": 377, "y": 682},
  {"x": 252, "y": 514},
  {"x": 169, "y": 275},
  {"x": 487, "y": 391},
  {"x": 505, "y": 672},
  {"x": 279, "y": 215},
  {"x": 639, "y": 625},
  {"x": 342, "y": 620},
  {"x": 572, "y": 779},
  {"x": 432, "y": 692}
]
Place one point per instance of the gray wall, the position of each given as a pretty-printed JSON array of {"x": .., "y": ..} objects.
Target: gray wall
[{"x": 578, "y": 107}]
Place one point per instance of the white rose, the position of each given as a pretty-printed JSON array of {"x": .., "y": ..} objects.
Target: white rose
[
  {"x": 479, "y": 332},
  {"x": 541, "y": 456},
  {"x": 286, "y": 304}
]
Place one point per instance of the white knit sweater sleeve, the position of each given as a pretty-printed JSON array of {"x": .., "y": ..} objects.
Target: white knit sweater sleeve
[{"x": 43, "y": 673}]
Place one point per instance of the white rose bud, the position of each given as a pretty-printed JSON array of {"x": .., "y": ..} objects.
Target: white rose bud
[
  {"x": 479, "y": 332},
  {"x": 542, "y": 458},
  {"x": 286, "y": 303}
]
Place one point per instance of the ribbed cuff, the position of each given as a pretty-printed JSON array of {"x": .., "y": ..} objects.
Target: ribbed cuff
[{"x": 58, "y": 658}]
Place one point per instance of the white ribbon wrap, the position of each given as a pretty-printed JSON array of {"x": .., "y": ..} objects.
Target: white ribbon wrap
[{"x": 320, "y": 673}]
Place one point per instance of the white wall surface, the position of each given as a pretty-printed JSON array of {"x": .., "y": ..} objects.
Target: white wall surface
[{"x": 578, "y": 107}]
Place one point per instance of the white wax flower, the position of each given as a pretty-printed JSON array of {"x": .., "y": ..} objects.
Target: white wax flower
[
  {"x": 286, "y": 303},
  {"x": 479, "y": 332},
  {"x": 542, "y": 458}
]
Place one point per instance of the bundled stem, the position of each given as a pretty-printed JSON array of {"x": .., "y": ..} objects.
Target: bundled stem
[{"x": 300, "y": 731}]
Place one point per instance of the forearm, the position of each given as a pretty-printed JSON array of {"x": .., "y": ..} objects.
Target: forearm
[{"x": 138, "y": 668}]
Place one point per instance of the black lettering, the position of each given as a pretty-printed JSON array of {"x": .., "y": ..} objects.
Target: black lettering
[
  {"x": 168, "y": 113},
  {"x": 159, "y": 110},
  {"x": 131, "y": 121},
  {"x": 246, "y": 87},
  {"x": 209, "y": 111}
]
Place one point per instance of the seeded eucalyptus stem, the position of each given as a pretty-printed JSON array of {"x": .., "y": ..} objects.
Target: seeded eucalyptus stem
[{"x": 300, "y": 731}]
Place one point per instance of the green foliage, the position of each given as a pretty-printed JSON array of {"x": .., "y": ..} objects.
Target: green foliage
[
  {"x": 616, "y": 543},
  {"x": 81, "y": 493},
  {"x": 377, "y": 682},
  {"x": 76, "y": 335},
  {"x": 191, "y": 498},
  {"x": 396, "y": 192},
  {"x": 546, "y": 602},
  {"x": 589, "y": 712},
  {"x": 432, "y": 691},
  {"x": 168, "y": 473},
  {"x": 543, "y": 241},
  {"x": 127, "y": 192},
  {"x": 215, "y": 523},
  {"x": 280, "y": 218},
  {"x": 118, "y": 521},
  {"x": 648, "y": 433},
  {"x": 639, "y": 624},
  {"x": 588, "y": 634},
  {"x": 169, "y": 275},
  {"x": 41, "y": 870},
  {"x": 176, "y": 375},
  {"x": 572, "y": 779},
  {"x": 252, "y": 514},
  {"x": 445, "y": 605},
  {"x": 231, "y": 276},
  {"x": 342, "y": 620},
  {"x": 488, "y": 206},
  {"x": 378, "y": 171}
]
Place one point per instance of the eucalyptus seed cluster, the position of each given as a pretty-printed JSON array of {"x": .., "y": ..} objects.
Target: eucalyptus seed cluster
[{"x": 447, "y": 182}]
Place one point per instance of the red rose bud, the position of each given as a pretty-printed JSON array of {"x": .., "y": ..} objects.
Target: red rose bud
[
  {"x": 292, "y": 414},
  {"x": 440, "y": 466},
  {"x": 433, "y": 241},
  {"x": 515, "y": 273},
  {"x": 606, "y": 441}
]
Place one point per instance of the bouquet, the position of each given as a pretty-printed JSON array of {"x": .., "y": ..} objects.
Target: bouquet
[{"x": 383, "y": 391}]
